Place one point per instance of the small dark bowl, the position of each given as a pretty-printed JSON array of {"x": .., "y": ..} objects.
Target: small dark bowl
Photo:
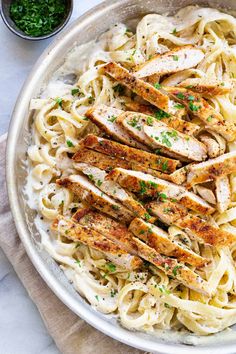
[{"x": 5, "y": 9}]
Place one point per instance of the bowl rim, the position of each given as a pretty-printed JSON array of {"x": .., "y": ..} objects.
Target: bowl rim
[
  {"x": 22, "y": 35},
  {"x": 119, "y": 333}
]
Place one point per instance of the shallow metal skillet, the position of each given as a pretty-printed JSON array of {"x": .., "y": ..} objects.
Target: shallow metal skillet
[{"x": 86, "y": 28}]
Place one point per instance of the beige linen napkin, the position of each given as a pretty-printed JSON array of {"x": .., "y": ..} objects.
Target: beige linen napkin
[{"x": 71, "y": 334}]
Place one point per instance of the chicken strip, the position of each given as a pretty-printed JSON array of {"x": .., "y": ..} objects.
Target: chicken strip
[
  {"x": 213, "y": 148},
  {"x": 158, "y": 239},
  {"x": 173, "y": 121},
  {"x": 105, "y": 118},
  {"x": 91, "y": 195},
  {"x": 212, "y": 169},
  {"x": 223, "y": 193},
  {"x": 201, "y": 109},
  {"x": 171, "y": 213},
  {"x": 149, "y": 186},
  {"x": 128, "y": 153},
  {"x": 172, "y": 268},
  {"x": 76, "y": 232},
  {"x": 112, "y": 229},
  {"x": 112, "y": 189},
  {"x": 108, "y": 163},
  {"x": 178, "y": 59},
  {"x": 140, "y": 87},
  {"x": 206, "y": 194},
  {"x": 208, "y": 87},
  {"x": 159, "y": 136}
]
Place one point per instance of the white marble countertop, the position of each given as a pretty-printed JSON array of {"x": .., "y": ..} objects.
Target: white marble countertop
[{"x": 21, "y": 328}]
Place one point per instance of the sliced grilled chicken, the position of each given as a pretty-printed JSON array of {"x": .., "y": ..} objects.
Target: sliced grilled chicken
[
  {"x": 140, "y": 87},
  {"x": 113, "y": 230},
  {"x": 105, "y": 118},
  {"x": 90, "y": 194},
  {"x": 179, "y": 176},
  {"x": 206, "y": 194},
  {"x": 76, "y": 232},
  {"x": 210, "y": 234},
  {"x": 223, "y": 193},
  {"x": 147, "y": 185},
  {"x": 167, "y": 211},
  {"x": 173, "y": 121},
  {"x": 202, "y": 110},
  {"x": 158, "y": 239},
  {"x": 113, "y": 148},
  {"x": 178, "y": 59},
  {"x": 107, "y": 163},
  {"x": 173, "y": 268},
  {"x": 213, "y": 148},
  {"x": 171, "y": 213},
  {"x": 185, "y": 146},
  {"x": 212, "y": 169},
  {"x": 158, "y": 135},
  {"x": 112, "y": 189},
  {"x": 208, "y": 87}
]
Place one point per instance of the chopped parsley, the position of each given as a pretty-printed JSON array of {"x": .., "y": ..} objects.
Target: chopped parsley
[
  {"x": 143, "y": 188},
  {"x": 112, "y": 119},
  {"x": 75, "y": 91},
  {"x": 69, "y": 143},
  {"x": 163, "y": 289},
  {"x": 191, "y": 98},
  {"x": 150, "y": 120},
  {"x": 164, "y": 166},
  {"x": 167, "y": 210},
  {"x": 159, "y": 114},
  {"x": 157, "y": 85},
  {"x": 99, "y": 183},
  {"x": 178, "y": 106},
  {"x": 153, "y": 184},
  {"x": 174, "y": 31},
  {"x": 175, "y": 57},
  {"x": 58, "y": 100},
  {"x": 147, "y": 216},
  {"x": 165, "y": 137},
  {"x": 189, "y": 86},
  {"x": 37, "y": 17},
  {"x": 97, "y": 297},
  {"x": 134, "y": 123},
  {"x": 162, "y": 196},
  {"x": 209, "y": 119},
  {"x": 193, "y": 107},
  {"x": 78, "y": 262},
  {"x": 111, "y": 267},
  {"x": 91, "y": 177},
  {"x": 180, "y": 95},
  {"x": 115, "y": 207},
  {"x": 175, "y": 269}
]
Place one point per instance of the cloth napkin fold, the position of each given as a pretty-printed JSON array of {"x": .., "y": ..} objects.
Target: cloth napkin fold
[{"x": 71, "y": 334}]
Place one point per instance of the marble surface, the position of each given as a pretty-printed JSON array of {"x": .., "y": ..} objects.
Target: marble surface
[{"x": 21, "y": 328}]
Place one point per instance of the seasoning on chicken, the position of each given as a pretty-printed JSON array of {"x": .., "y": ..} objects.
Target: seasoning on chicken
[
  {"x": 178, "y": 59},
  {"x": 140, "y": 87},
  {"x": 91, "y": 195}
]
